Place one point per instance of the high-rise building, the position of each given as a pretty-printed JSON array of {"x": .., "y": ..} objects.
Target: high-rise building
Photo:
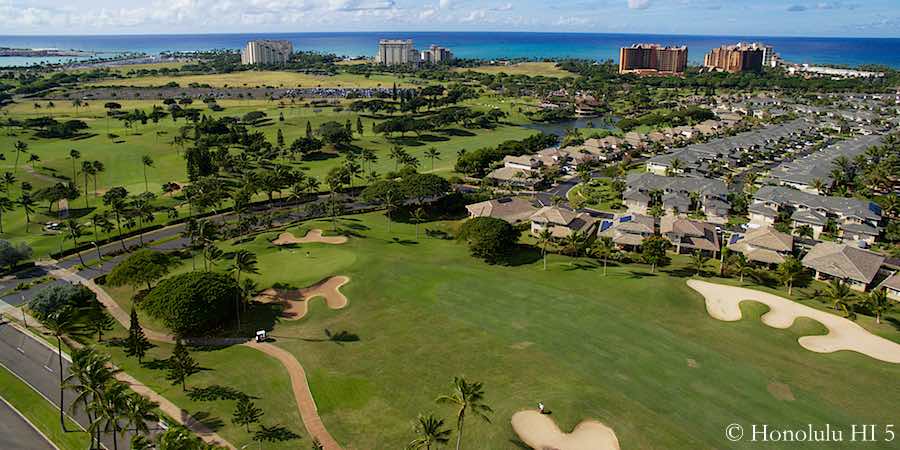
[
  {"x": 393, "y": 52},
  {"x": 651, "y": 59},
  {"x": 739, "y": 58},
  {"x": 437, "y": 55},
  {"x": 267, "y": 52}
]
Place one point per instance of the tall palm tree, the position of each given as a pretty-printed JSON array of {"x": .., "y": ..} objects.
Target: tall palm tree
[
  {"x": 87, "y": 170},
  {"x": 93, "y": 372},
  {"x": 789, "y": 271},
  {"x": 466, "y": 397},
  {"x": 544, "y": 238},
  {"x": 244, "y": 261},
  {"x": 60, "y": 323},
  {"x": 878, "y": 302},
  {"x": 146, "y": 161},
  {"x": 98, "y": 169},
  {"x": 6, "y": 205},
  {"x": 819, "y": 185},
  {"x": 430, "y": 431},
  {"x": 109, "y": 410},
  {"x": 20, "y": 148},
  {"x": 433, "y": 154},
  {"x": 418, "y": 216},
  {"x": 138, "y": 412},
  {"x": 698, "y": 262},
  {"x": 75, "y": 231},
  {"x": 74, "y": 155},
  {"x": 27, "y": 203}
]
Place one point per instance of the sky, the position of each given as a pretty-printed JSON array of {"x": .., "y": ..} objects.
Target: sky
[{"x": 863, "y": 18}]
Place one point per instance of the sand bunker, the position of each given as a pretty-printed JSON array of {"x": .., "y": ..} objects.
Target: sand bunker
[
  {"x": 722, "y": 302},
  {"x": 540, "y": 432},
  {"x": 288, "y": 238},
  {"x": 296, "y": 301}
]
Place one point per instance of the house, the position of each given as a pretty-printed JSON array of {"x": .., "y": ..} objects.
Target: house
[
  {"x": 858, "y": 220},
  {"x": 804, "y": 172},
  {"x": 586, "y": 105},
  {"x": 765, "y": 245},
  {"x": 711, "y": 196},
  {"x": 892, "y": 286},
  {"x": 628, "y": 231},
  {"x": 689, "y": 236},
  {"x": 514, "y": 177},
  {"x": 854, "y": 266},
  {"x": 561, "y": 222},
  {"x": 511, "y": 209},
  {"x": 523, "y": 162}
]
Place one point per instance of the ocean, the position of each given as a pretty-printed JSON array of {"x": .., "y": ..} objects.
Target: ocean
[{"x": 482, "y": 45}]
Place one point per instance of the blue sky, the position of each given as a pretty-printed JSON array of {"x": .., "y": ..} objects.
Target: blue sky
[{"x": 720, "y": 17}]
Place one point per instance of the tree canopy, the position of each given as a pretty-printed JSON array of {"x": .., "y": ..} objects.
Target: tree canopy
[
  {"x": 192, "y": 303},
  {"x": 142, "y": 267},
  {"x": 489, "y": 238}
]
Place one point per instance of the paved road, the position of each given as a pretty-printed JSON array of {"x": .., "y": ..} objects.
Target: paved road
[
  {"x": 38, "y": 365},
  {"x": 17, "y": 434}
]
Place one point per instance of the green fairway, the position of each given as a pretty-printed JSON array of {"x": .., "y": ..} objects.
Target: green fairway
[
  {"x": 635, "y": 350},
  {"x": 531, "y": 69},
  {"x": 43, "y": 415}
]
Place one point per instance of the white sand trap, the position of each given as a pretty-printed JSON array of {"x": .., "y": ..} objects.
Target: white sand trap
[
  {"x": 540, "y": 432},
  {"x": 296, "y": 301},
  {"x": 722, "y": 302},
  {"x": 288, "y": 238}
]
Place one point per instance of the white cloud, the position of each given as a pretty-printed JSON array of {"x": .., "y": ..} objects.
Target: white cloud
[
  {"x": 503, "y": 7},
  {"x": 638, "y": 4},
  {"x": 446, "y": 4}
]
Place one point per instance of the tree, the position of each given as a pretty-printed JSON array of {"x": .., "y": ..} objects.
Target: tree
[
  {"x": 93, "y": 373},
  {"x": 193, "y": 303},
  {"x": 430, "y": 431},
  {"x": 246, "y": 413},
  {"x": 653, "y": 251},
  {"x": 115, "y": 199},
  {"x": 61, "y": 296},
  {"x": 74, "y": 155},
  {"x": 75, "y": 231},
  {"x": 60, "y": 323},
  {"x": 109, "y": 410},
  {"x": 146, "y": 161},
  {"x": 99, "y": 321},
  {"x": 432, "y": 153},
  {"x": 544, "y": 239},
  {"x": 19, "y": 148},
  {"x": 359, "y": 126},
  {"x": 138, "y": 412},
  {"x": 466, "y": 397},
  {"x": 244, "y": 261},
  {"x": 604, "y": 248},
  {"x": 387, "y": 192},
  {"x": 488, "y": 237},
  {"x": 878, "y": 303},
  {"x": 421, "y": 186},
  {"x": 335, "y": 134},
  {"x": 838, "y": 294},
  {"x": 181, "y": 365},
  {"x": 27, "y": 203},
  {"x": 136, "y": 344},
  {"x": 87, "y": 170},
  {"x": 741, "y": 265},
  {"x": 141, "y": 267},
  {"x": 698, "y": 262},
  {"x": 789, "y": 271},
  {"x": 418, "y": 216},
  {"x": 12, "y": 254},
  {"x": 275, "y": 433}
]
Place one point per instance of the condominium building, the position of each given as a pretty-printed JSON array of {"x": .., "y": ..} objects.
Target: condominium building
[
  {"x": 738, "y": 58},
  {"x": 437, "y": 55},
  {"x": 651, "y": 59},
  {"x": 267, "y": 52},
  {"x": 394, "y": 52}
]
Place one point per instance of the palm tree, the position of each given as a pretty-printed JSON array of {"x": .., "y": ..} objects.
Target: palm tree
[
  {"x": 6, "y": 205},
  {"x": 819, "y": 185},
  {"x": 138, "y": 412},
  {"x": 244, "y": 262},
  {"x": 98, "y": 169},
  {"x": 544, "y": 238},
  {"x": 604, "y": 248},
  {"x": 74, "y": 232},
  {"x": 93, "y": 372},
  {"x": 74, "y": 155},
  {"x": 466, "y": 397},
  {"x": 838, "y": 293},
  {"x": 32, "y": 159},
  {"x": 62, "y": 322},
  {"x": 674, "y": 167},
  {"x": 573, "y": 243},
  {"x": 27, "y": 203},
  {"x": 741, "y": 265},
  {"x": 789, "y": 271},
  {"x": 87, "y": 170},
  {"x": 698, "y": 262},
  {"x": 146, "y": 161},
  {"x": 109, "y": 410},
  {"x": 433, "y": 154},
  {"x": 878, "y": 302},
  {"x": 418, "y": 216},
  {"x": 430, "y": 431},
  {"x": 20, "y": 147}
]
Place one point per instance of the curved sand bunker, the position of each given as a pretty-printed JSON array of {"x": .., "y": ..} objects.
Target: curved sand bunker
[
  {"x": 722, "y": 303},
  {"x": 540, "y": 432},
  {"x": 296, "y": 301},
  {"x": 288, "y": 238}
]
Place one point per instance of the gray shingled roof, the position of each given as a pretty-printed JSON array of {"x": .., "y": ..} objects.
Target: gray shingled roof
[
  {"x": 836, "y": 205},
  {"x": 819, "y": 165},
  {"x": 844, "y": 261}
]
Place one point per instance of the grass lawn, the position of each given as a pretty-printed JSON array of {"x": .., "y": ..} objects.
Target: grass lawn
[
  {"x": 595, "y": 194},
  {"x": 41, "y": 413},
  {"x": 633, "y": 349},
  {"x": 531, "y": 69},
  {"x": 267, "y": 78}
]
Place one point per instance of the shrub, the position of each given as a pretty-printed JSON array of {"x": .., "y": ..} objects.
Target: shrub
[
  {"x": 141, "y": 267},
  {"x": 56, "y": 297},
  {"x": 193, "y": 303}
]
